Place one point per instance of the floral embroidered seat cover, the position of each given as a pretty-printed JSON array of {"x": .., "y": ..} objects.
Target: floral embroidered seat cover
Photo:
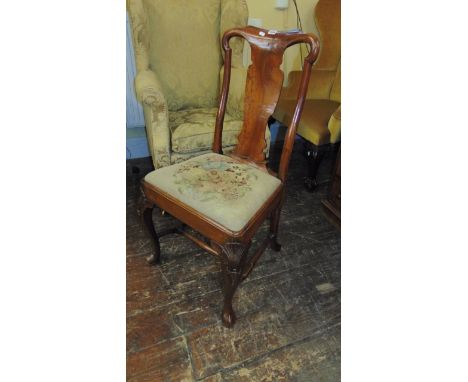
[{"x": 221, "y": 188}]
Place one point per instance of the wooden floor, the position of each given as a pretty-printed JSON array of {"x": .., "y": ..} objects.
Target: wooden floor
[{"x": 288, "y": 310}]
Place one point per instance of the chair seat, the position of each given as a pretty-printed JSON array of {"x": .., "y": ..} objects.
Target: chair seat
[
  {"x": 221, "y": 188},
  {"x": 313, "y": 125},
  {"x": 192, "y": 129}
]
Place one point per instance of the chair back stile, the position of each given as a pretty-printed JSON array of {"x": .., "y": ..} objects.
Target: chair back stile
[
  {"x": 291, "y": 131},
  {"x": 262, "y": 91}
]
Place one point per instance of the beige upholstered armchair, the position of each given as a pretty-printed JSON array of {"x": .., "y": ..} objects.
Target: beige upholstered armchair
[{"x": 179, "y": 70}]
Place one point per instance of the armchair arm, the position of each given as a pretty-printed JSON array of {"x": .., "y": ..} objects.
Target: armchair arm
[
  {"x": 149, "y": 92},
  {"x": 334, "y": 125},
  {"x": 148, "y": 88}
]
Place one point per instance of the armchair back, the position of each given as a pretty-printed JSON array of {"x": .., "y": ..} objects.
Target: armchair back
[
  {"x": 179, "y": 40},
  {"x": 328, "y": 22}
]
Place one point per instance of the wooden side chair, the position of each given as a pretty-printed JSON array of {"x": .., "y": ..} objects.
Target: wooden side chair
[{"x": 226, "y": 198}]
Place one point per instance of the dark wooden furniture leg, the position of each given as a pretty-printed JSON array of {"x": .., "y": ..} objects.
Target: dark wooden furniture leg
[
  {"x": 232, "y": 264},
  {"x": 147, "y": 217},
  {"x": 332, "y": 203},
  {"x": 314, "y": 155},
  {"x": 274, "y": 223},
  {"x": 145, "y": 210}
]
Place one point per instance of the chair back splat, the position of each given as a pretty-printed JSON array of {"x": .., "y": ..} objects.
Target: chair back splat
[{"x": 262, "y": 91}]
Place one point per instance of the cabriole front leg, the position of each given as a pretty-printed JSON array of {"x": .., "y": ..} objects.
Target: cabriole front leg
[
  {"x": 232, "y": 263},
  {"x": 231, "y": 279},
  {"x": 314, "y": 158}
]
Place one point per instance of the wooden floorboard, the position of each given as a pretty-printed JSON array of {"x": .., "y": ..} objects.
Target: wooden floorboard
[{"x": 288, "y": 310}]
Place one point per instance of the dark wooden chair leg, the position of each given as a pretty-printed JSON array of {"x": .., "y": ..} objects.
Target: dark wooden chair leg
[
  {"x": 314, "y": 158},
  {"x": 230, "y": 283},
  {"x": 145, "y": 210},
  {"x": 334, "y": 148},
  {"x": 274, "y": 223},
  {"x": 232, "y": 261},
  {"x": 148, "y": 222}
]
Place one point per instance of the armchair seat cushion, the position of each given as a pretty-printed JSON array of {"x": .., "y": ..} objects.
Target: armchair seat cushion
[
  {"x": 221, "y": 188},
  {"x": 314, "y": 122},
  {"x": 192, "y": 130}
]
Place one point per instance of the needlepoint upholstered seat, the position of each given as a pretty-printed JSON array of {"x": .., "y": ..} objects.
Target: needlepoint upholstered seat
[
  {"x": 222, "y": 200},
  {"x": 225, "y": 190}
]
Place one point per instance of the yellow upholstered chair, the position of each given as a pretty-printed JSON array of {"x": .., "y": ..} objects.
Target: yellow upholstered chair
[
  {"x": 320, "y": 124},
  {"x": 179, "y": 70}
]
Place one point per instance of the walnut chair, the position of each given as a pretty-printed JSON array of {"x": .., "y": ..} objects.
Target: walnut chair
[
  {"x": 224, "y": 199},
  {"x": 320, "y": 125},
  {"x": 180, "y": 65}
]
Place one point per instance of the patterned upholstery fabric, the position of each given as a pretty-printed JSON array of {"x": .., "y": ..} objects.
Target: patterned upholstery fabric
[
  {"x": 179, "y": 158},
  {"x": 235, "y": 101},
  {"x": 221, "y": 188},
  {"x": 185, "y": 51},
  {"x": 150, "y": 94},
  {"x": 193, "y": 129}
]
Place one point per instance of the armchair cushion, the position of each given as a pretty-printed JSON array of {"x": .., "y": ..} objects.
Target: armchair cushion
[
  {"x": 192, "y": 130},
  {"x": 224, "y": 190},
  {"x": 314, "y": 122}
]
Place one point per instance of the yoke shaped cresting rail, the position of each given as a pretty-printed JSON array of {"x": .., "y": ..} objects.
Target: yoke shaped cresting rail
[{"x": 262, "y": 91}]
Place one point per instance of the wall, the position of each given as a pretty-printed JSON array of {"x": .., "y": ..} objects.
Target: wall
[{"x": 273, "y": 18}]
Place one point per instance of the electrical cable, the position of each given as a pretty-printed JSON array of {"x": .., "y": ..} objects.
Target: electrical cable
[{"x": 299, "y": 26}]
